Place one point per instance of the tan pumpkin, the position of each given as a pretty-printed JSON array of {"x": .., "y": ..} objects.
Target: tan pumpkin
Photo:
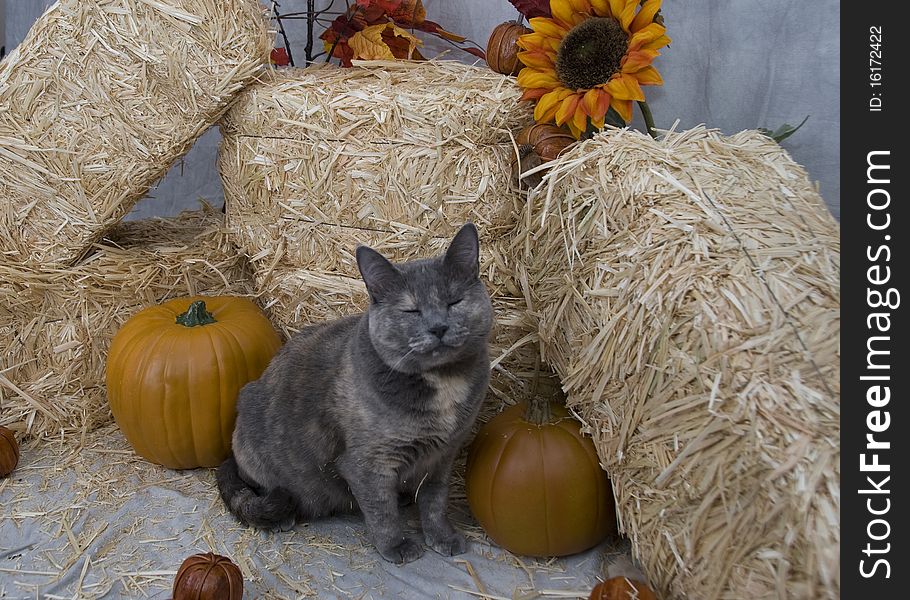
[
  {"x": 534, "y": 483},
  {"x": 502, "y": 49},
  {"x": 174, "y": 371},
  {"x": 547, "y": 140},
  {"x": 9, "y": 451},
  {"x": 208, "y": 577},
  {"x": 621, "y": 588}
]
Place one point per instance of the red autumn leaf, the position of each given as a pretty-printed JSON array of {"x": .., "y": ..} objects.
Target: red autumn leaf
[
  {"x": 533, "y": 8},
  {"x": 388, "y": 6},
  {"x": 435, "y": 28},
  {"x": 279, "y": 57},
  {"x": 476, "y": 52}
]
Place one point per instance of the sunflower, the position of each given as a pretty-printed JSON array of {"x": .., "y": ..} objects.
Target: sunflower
[{"x": 589, "y": 56}]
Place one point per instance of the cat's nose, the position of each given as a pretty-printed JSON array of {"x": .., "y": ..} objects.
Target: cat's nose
[{"x": 439, "y": 330}]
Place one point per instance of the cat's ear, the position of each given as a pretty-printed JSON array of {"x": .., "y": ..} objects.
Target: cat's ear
[
  {"x": 463, "y": 256},
  {"x": 380, "y": 276}
]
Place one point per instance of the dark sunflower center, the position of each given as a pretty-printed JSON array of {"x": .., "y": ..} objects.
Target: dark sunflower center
[{"x": 591, "y": 53}]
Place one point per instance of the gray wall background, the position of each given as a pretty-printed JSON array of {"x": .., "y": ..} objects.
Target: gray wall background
[{"x": 733, "y": 65}]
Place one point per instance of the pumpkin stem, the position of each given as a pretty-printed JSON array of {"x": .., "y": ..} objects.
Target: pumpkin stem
[
  {"x": 538, "y": 407},
  {"x": 538, "y": 411},
  {"x": 195, "y": 315}
]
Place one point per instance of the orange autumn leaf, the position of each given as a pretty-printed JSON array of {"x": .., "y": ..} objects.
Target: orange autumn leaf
[
  {"x": 409, "y": 13},
  {"x": 374, "y": 29},
  {"x": 369, "y": 43}
]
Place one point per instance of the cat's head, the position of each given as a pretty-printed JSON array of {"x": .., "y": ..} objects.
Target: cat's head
[{"x": 429, "y": 312}]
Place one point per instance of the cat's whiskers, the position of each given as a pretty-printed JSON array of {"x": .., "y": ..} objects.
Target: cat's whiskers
[
  {"x": 394, "y": 367},
  {"x": 417, "y": 491}
]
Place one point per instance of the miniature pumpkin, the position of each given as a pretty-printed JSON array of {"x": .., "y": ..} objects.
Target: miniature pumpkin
[
  {"x": 502, "y": 49},
  {"x": 534, "y": 482},
  {"x": 174, "y": 371},
  {"x": 9, "y": 452},
  {"x": 621, "y": 588},
  {"x": 208, "y": 577},
  {"x": 548, "y": 141}
]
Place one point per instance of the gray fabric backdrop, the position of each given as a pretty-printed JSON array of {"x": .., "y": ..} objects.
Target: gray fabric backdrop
[{"x": 733, "y": 65}]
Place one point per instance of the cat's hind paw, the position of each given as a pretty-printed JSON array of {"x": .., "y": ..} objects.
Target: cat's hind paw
[
  {"x": 449, "y": 545},
  {"x": 408, "y": 550}
]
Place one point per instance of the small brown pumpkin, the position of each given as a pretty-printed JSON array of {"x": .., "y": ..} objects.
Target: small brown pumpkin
[
  {"x": 174, "y": 371},
  {"x": 621, "y": 588},
  {"x": 548, "y": 141},
  {"x": 9, "y": 451},
  {"x": 534, "y": 482},
  {"x": 502, "y": 49},
  {"x": 208, "y": 577}
]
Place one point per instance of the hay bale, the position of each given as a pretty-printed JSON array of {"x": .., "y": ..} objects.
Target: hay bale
[
  {"x": 56, "y": 325},
  {"x": 687, "y": 292},
  {"x": 99, "y": 100},
  {"x": 389, "y": 146},
  {"x": 394, "y": 155}
]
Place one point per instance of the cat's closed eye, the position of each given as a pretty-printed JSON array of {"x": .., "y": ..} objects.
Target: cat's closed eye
[
  {"x": 410, "y": 310},
  {"x": 454, "y": 302}
]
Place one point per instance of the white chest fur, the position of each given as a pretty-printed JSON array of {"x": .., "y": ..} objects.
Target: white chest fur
[{"x": 451, "y": 393}]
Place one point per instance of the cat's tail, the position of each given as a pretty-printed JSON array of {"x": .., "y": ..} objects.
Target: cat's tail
[{"x": 266, "y": 509}]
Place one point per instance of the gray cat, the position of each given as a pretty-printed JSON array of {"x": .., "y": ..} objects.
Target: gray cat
[{"x": 372, "y": 408}]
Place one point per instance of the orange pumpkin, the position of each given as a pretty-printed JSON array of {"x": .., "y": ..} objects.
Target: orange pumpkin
[
  {"x": 621, "y": 588},
  {"x": 547, "y": 140},
  {"x": 174, "y": 371},
  {"x": 502, "y": 49},
  {"x": 534, "y": 483},
  {"x": 9, "y": 452},
  {"x": 208, "y": 577}
]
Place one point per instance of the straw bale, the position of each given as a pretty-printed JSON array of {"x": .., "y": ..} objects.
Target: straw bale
[
  {"x": 394, "y": 155},
  {"x": 392, "y": 146},
  {"x": 687, "y": 292},
  {"x": 99, "y": 99},
  {"x": 56, "y": 324}
]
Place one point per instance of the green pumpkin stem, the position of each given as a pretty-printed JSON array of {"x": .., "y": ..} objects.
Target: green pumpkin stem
[{"x": 195, "y": 315}]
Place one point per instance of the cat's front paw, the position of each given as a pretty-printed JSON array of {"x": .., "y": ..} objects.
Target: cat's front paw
[
  {"x": 452, "y": 544},
  {"x": 408, "y": 550}
]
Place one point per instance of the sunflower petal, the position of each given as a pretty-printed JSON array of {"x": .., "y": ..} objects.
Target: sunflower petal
[
  {"x": 581, "y": 6},
  {"x": 532, "y": 78},
  {"x": 649, "y": 76},
  {"x": 530, "y": 41},
  {"x": 658, "y": 43},
  {"x": 596, "y": 103},
  {"x": 549, "y": 103},
  {"x": 616, "y": 8},
  {"x": 627, "y": 14},
  {"x": 575, "y": 131},
  {"x": 536, "y": 60},
  {"x": 646, "y": 35},
  {"x": 579, "y": 119},
  {"x": 646, "y": 14},
  {"x": 601, "y": 8},
  {"x": 623, "y": 107},
  {"x": 634, "y": 60},
  {"x": 566, "y": 110},
  {"x": 548, "y": 27},
  {"x": 565, "y": 14},
  {"x": 598, "y": 123},
  {"x": 625, "y": 87},
  {"x": 538, "y": 41},
  {"x": 533, "y": 93}
]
